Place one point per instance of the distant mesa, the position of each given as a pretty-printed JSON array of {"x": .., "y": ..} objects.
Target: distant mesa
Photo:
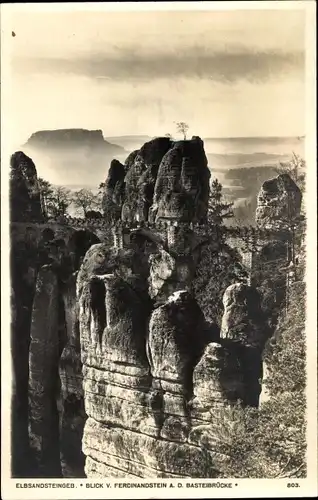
[
  {"x": 74, "y": 153},
  {"x": 73, "y": 137}
]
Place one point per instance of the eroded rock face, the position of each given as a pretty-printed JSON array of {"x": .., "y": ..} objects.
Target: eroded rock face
[
  {"x": 174, "y": 343},
  {"x": 279, "y": 201},
  {"x": 62, "y": 249},
  {"x": 164, "y": 180},
  {"x": 45, "y": 348},
  {"x": 243, "y": 321},
  {"x": 152, "y": 378},
  {"x": 114, "y": 191},
  {"x": 182, "y": 185},
  {"x": 71, "y": 401},
  {"x": 278, "y": 212},
  {"x": 217, "y": 377},
  {"x": 244, "y": 325},
  {"x": 141, "y": 178},
  {"x": 25, "y": 202},
  {"x": 126, "y": 338},
  {"x": 168, "y": 274}
]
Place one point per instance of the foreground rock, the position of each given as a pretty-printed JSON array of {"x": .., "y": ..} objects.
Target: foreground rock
[
  {"x": 45, "y": 348},
  {"x": 154, "y": 386},
  {"x": 277, "y": 217},
  {"x": 25, "y": 201},
  {"x": 278, "y": 203},
  {"x": 34, "y": 246}
]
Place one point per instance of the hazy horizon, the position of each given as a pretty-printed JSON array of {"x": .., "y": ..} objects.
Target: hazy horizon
[{"x": 228, "y": 74}]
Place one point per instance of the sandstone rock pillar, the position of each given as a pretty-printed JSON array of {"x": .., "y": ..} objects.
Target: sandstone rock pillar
[{"x": 43, "y": 377}]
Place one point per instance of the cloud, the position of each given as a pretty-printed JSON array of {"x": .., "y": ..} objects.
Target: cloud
[{"x": 196, "y": 62}]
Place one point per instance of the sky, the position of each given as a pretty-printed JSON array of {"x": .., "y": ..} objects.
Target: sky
[{"x": 226, "y": 73}]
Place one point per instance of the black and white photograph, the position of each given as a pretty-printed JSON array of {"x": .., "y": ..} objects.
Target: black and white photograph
[{"x": 157, "y": 169}]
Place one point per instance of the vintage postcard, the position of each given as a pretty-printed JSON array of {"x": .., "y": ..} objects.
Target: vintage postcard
[{"x": 158, "y": 213}]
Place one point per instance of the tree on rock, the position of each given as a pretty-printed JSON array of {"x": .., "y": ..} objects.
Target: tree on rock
[{"x": 182, "y": 128}]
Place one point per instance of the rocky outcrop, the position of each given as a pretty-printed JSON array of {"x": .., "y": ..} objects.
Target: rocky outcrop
[
  {"x": 114, "y": 191},
  {"x": 141, "y": 178},
  {"x": 182, "y": 185},
  {"x": 164, "y": 180},
  {"x": 73, "y": 153},
  {"x": 243, "y": 321},
  {"x": 277, "y": 216},
  {"x": 25, "y": 201},
  {"x": 175, "y": 342},
  {"x": 34, "y": 246},
  {"x": 70, "y": 139},
  {"x": 45, "y": 348},
  {"x": 121, "y": 365},
  {"x": 244, "y": 324},
  {"x": 153, "y": 381},
  {"x": 278, "y": 203},
  {"x": 71, "y": 401}
]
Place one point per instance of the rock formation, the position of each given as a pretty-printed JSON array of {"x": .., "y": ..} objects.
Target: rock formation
[
  {"x": 45, "y": 343},
  {"x": 114, "y": 191},
  {"x": 45, "y": 347},
  {"x": 277, "y": 216},
  {"x": 116, "y": 371},
  {"x": 70, "y": 140},
  {"x": 182, "y": 185},
  {"x": 25, "y": 202},
  {"x": 278, "y": 203},
  {"x": 164, "y": 180},
  {"x": 152, "y": 377}
]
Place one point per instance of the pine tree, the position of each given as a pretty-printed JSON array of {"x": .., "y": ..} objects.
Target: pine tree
[{"x": 218, "y": 209}]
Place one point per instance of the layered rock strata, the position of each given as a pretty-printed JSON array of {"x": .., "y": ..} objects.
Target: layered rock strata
[
  {"x": 45, "y": 344},
  {"x": 163, "y": 180},
  {"x": 114, "y": 342},
  {"x": 154, "y": 383},
  {"x": 45, "y": 347},
  {"x": 278, "y": 213},
  {"x": 278, "y": 203},
  {"x": 25, "y": 200}
]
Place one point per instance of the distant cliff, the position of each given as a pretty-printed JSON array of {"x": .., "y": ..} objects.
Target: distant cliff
[
  {"x": 73, "y": 137},
  {"x": 64, "y": 154}
]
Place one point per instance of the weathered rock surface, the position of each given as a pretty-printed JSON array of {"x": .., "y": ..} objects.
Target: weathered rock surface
[
  {"x": 143, "y": 379},
  {"x": 243, "y": 320},
  {"x": 141, "y": 178},
  {"x": 174, "y": 343},
  {"x": 33, "y": 246},
  {"x": 217, "y": 377},
  {"x": 153, "y": 385},
  {"x": 182, "y": 185},
  {"x": 25, "y": 201},
  {"x": 164, "y": 180},
  {"x": 278, "y": 212},
  {"x": 244, "y": 324},
  {"x": 114, "y": 191},
  {"x": 45, "y": 348},
  {"x": 278, "y": 202},
  {"x": 72, "y": 414}
]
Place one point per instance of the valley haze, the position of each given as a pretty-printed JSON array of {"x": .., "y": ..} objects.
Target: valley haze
[{"x": 86, "y": 149}]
